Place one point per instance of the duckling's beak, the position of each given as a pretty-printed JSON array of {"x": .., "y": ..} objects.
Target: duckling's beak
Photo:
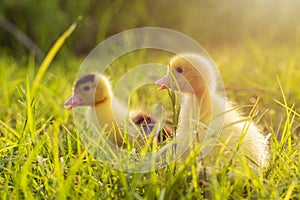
[
  {"x": 73, "y": 102},
  {"x": 163, "y": 82}
]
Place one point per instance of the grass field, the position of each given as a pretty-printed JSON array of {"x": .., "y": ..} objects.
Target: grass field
[{"x": 42, "y": 157}]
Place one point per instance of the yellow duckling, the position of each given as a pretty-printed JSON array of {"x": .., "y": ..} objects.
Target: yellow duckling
[
  {"x": 254, "y": 145},
  {"x": 94, "y": 90}
]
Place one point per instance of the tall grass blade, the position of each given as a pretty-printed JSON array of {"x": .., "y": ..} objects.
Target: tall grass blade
[{"x": 51, "y": 54}]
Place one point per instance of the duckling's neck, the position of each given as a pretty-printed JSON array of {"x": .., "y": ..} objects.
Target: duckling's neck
[
  {"x": 204, "y": 99},
  {"x": 110, "y": 113}
]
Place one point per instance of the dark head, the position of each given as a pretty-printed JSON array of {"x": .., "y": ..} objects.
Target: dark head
[{"x": 89, "y": 90}]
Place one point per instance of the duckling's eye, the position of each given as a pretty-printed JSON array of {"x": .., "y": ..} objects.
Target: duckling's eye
[
  {"x": 86, "y": 88},
  {"x": 179, "y": 69}
]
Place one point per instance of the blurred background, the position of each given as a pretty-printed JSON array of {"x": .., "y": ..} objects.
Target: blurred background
[{"x": 214, "y": 24}]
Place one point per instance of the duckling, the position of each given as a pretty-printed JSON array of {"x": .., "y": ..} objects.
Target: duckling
[
  {"x": 94, "y": 90},
  {"x": 250, "y": 141}
]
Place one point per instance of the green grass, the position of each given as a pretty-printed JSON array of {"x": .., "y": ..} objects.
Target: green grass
[{"x": 42, "y": 156}]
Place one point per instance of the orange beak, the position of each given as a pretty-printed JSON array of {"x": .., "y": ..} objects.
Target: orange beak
[
  {"x": 73, "y": 102},
  {"x": 163, "y": 82}
]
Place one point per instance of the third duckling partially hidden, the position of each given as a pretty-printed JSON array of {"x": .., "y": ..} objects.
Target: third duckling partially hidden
[
  {"x": 202, "y": 85},
  {"x": 94, "y": 90}
]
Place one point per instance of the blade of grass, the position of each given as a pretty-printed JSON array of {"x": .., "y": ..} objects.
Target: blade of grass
[
  {"x": 286, "y": 134},
  {"x": 23, "y": 178},
  {"x": 56, "y": 163},
  {"x": 9, "y": 129},
  {"x": 289, "y": 193},
  {"x": 51, "y": 54},
  {"x": 30, "y": 110},
  {"x": 288, "y": 108}
]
